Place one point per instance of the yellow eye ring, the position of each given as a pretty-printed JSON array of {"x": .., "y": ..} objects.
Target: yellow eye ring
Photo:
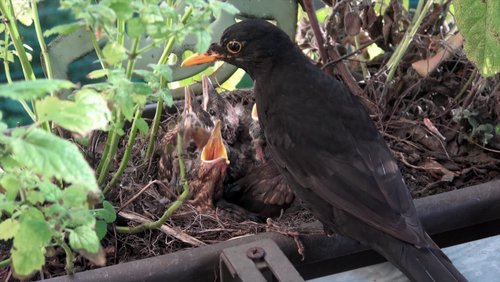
[{"x": 233, "y": 46}]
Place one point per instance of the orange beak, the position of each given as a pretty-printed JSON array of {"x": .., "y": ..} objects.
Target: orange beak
[
  {"x": 198, "y": 59},
  {"x": 214, "y": 149}
]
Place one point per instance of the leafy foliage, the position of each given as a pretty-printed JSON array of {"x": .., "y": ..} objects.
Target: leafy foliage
[
  {"x": 479, "y": 23},
  {"x": 48, "y": 191}
]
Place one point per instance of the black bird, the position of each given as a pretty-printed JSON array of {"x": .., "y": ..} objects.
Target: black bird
[{"x": 329, "y": 150}]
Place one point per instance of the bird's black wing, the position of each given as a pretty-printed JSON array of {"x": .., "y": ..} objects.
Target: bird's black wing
[{"x": 323, "y": 138}]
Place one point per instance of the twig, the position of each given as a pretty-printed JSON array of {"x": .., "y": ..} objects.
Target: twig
[
  {"x": 313, "y": 20},
  {"x": 170, "y": 231},
  {"x": 138, "y": 194},
  {"x": 343, "y": 57}
]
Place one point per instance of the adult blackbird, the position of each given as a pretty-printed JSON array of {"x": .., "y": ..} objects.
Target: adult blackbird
[{"x": 325, "y": 143}]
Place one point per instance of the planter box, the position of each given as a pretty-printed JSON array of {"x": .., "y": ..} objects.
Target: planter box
[{"x": 451, "y": 218}]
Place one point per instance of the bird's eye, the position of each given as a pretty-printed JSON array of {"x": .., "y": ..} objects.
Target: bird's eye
[
  {"x": 233, "y": 46},
  {"x": 211, "y": 112}
]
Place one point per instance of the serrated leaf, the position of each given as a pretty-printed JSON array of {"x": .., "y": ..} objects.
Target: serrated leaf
[
  {"x": 63, "y": 29},
  {"x": 33, "y": 235},
  {"x": 26, "y": 261},
  {"x": 22, "y": 10},
  {"x": 135, "y": 28},
  {"x": 51, "y": 156},
  {"x": 141, "y": 88},
  {"x": 164, "y": 70},
  {"x": 166, "y": 96},
  {"x": 33, "y": 89},
  {"x": 114, "y": 53},
  {"x": 84, "y": 238},
  {"x": 479, "y": 23},
  {"x": 203, "y": 40},
  {"x": 52, "y": 192},
  {"x": 8, "y": 229},
  {"x": 142, "y": 125},
  {"x": 88, "y": 112},
  {"x": 80, "y": 217}
]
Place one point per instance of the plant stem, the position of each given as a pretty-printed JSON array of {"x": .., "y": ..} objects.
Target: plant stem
[
  {"x": 120, "y": 37},
  {"x": 69, "y": 256},
  {"x": 112, "y": 149},
  {"x": 9, "y": 78},
  {"x": 105, "y": 153},
  {"x": 159, "y": 106},
  {"x": 175, "y": 205},
  {"x": 132, "y": 58},
  {"x": 5, "y": 262},
  {"x": 393, "y": 62},
  {"x": 98, "y": 50},
  {"x": 128, "y": 151},
  {"x": 41, "y": 41},
  {"x": 10, "y": 22}
]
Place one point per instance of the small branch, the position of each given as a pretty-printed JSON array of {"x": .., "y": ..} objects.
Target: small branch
[
  {"x": 355, "y": 52},
  {"x": 313, "y": 20},
  {"x": 170, "y": 231},
  {"x": 138, "y": 194}
]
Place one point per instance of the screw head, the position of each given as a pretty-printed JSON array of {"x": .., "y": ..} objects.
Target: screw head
[{"x": 255, "y": 253}]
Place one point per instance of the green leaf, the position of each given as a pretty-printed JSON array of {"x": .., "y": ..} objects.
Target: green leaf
[
  {"x": 11, "y": 184},
  {"x": 2, "y": 27},
  {"x": 166, "y": 96},
  {"x": 122, "y": 8},
  {"x": 33, "y": 235},
  {"x": 101, "y": 229},
  {"x": 479, "y": 23},
  {"x": 8, "y": 229},
  {"x": 114, "y": 53},
  {"x": 142, "y": 125},
  {"x": 35, "y": 197},
  {"x": 97, "y": 73},
  {"x": 202, "y": 40},
  {"x": 88, "y": 112},
  {"x": 80, "y": 217},
  {"x": 63, "y": 29},
  {"x": 25, "y": 261},
  {"x": 33, "y": 89},
  {"x": 52, "y": 192},
  {"x": 74, "y": 197},
  {"x": 135, "y": 28},
  {"x": 7, "y": 206},
  {"x": 22, "y": 10},
  {"x": 84, "y": 237},
  {"x": 164, "y": 70},
  {"x": 107, "y": 213},
  {"x": 51, "y": 156}
]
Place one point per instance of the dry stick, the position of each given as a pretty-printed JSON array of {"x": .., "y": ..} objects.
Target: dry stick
[
  {"x": 313, "y": 20},
  {"x": 355, "y": 52},
  {"x": 170, "y": 231},
  {"x": 138, "y": 194}
]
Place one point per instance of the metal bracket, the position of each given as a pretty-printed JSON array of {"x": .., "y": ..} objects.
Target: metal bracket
[{"x": 258, "y": 261}]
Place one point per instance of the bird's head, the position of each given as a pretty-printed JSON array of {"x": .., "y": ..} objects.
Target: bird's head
[{"x": 251, "y": 44}]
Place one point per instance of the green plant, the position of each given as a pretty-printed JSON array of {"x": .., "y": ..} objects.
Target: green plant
[
  {"x": 481, "y": 133},
  {"x": 479, "y": 23},
  {"x": 48, "y": 192}
]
